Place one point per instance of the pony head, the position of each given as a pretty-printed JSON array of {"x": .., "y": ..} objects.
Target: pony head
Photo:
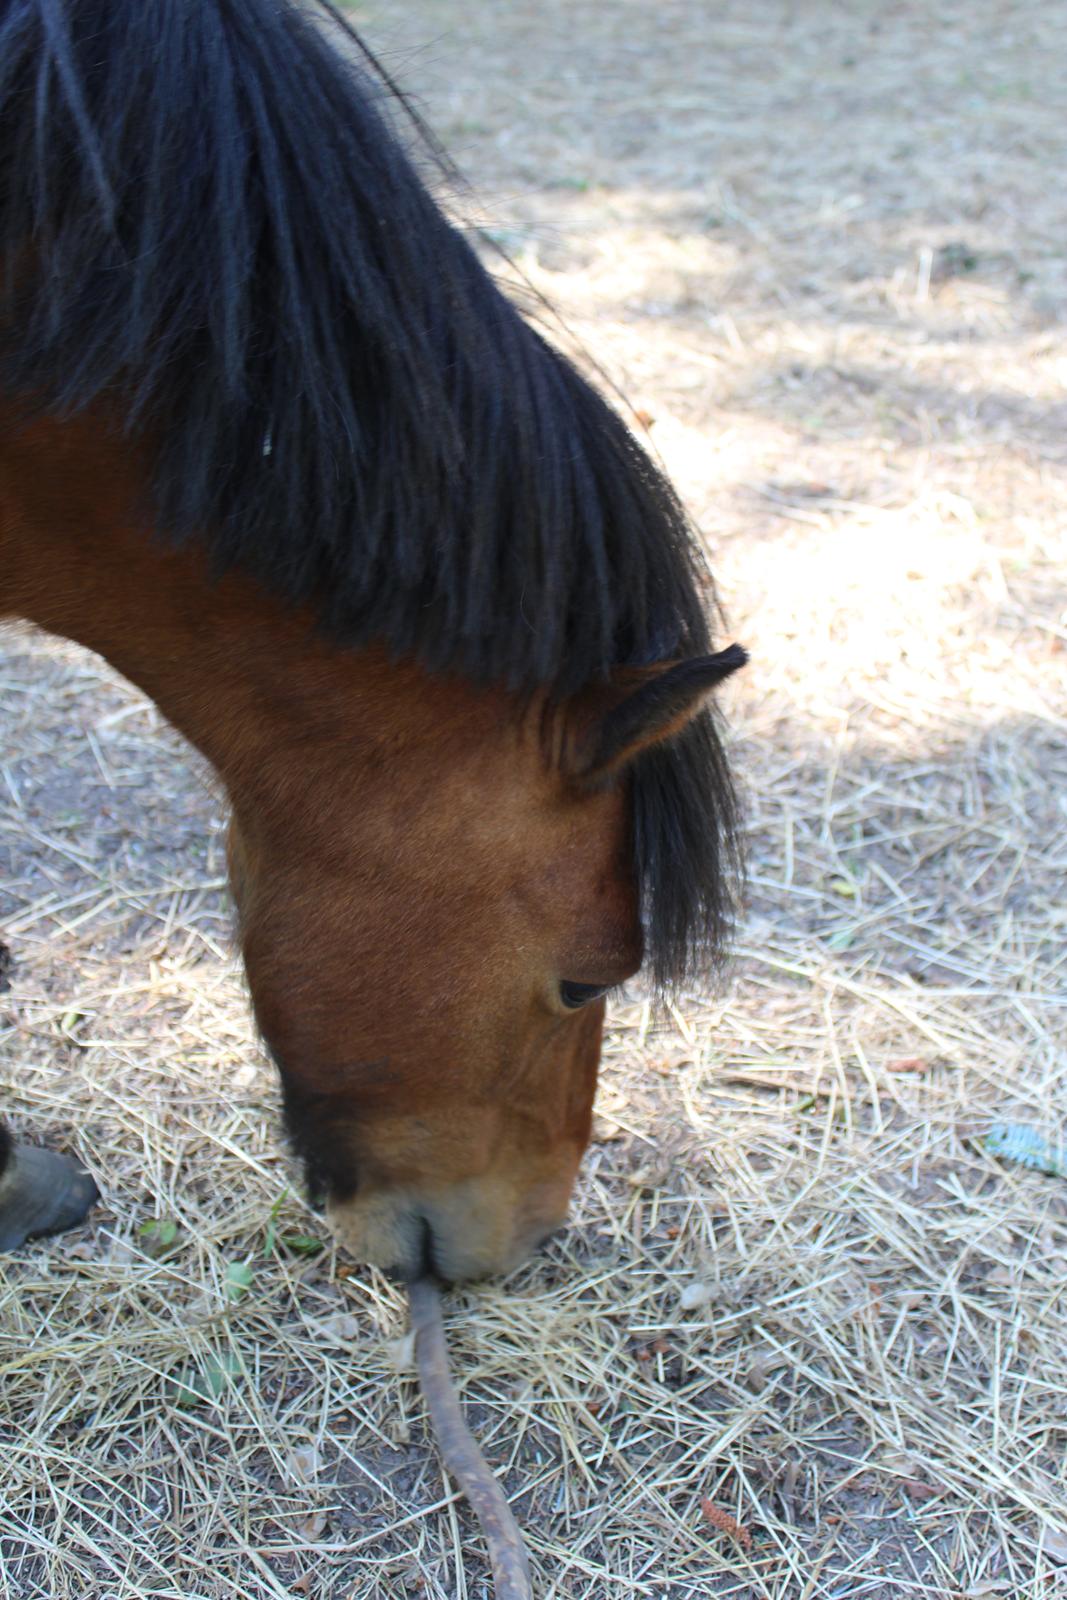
[{"x": 429, "y": 938}]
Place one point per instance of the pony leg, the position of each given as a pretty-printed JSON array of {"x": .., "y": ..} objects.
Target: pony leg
[{"x": 40, "y": 1192}]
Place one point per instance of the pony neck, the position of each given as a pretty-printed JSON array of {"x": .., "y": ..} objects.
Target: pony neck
[{"x": 243, "y": 677}]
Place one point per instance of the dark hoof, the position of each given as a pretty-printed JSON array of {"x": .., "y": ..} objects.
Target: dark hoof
[{"x": 42, "y": 1192}]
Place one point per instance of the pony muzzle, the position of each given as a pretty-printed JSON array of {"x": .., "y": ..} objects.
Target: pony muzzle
[{"x": 473, "y": 1229}]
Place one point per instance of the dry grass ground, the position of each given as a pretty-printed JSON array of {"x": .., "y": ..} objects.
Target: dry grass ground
[{"x": 821, "y": 246}]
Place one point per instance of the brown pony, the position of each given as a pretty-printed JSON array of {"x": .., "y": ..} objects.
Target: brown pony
[{"x": 274, "y": 445}]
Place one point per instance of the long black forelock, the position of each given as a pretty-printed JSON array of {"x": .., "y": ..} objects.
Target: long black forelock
[{"x": 206, "y": 220}]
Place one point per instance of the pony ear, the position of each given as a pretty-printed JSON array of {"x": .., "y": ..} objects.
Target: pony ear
[{"x": 643, "y": 708}]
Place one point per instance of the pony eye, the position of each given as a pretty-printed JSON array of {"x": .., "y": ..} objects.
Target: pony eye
[{"x": 574, "y": 995}]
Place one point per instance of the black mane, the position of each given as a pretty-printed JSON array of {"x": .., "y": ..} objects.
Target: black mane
[{"x": 205, "y": 219}]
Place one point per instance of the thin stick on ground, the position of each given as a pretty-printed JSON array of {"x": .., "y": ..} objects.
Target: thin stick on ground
[{"x": 459, "y": 1448}]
